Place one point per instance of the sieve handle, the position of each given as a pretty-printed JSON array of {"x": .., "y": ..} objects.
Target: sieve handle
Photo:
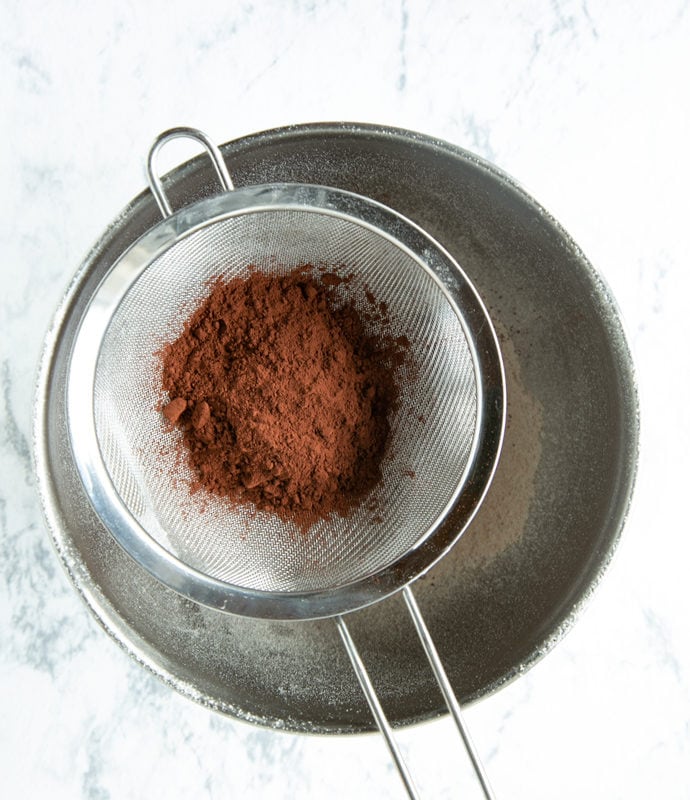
[
  {"x": 443, "y": 683},
  {"x": 375, "y": 706},
  {"x": 446, "y": 690},
  {"x": 211, "y": 148}
]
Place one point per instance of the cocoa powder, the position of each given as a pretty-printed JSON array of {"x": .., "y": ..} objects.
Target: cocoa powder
[{"x": 282, "y": 396}]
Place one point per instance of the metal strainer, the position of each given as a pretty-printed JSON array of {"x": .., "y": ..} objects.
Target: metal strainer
[{"x": 445, "y": 436}]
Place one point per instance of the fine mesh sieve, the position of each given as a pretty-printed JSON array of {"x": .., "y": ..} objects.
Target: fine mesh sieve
[{"x": 445, "y": 434}]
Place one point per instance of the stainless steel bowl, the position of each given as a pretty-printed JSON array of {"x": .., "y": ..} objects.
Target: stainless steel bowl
[{"x": 517, "y": 579}]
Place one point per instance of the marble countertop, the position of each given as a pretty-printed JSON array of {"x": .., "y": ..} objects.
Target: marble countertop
[{"x": 587, "y": 105}]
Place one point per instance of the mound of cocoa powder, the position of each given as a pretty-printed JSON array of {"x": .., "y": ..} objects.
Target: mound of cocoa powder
[{"x": 282, "y": 396}]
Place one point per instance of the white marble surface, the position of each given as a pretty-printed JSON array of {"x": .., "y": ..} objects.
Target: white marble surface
[{"x": 588, "y": 105}]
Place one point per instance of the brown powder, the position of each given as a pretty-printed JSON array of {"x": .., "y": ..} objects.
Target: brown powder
[{"x": 282, "y": 396}]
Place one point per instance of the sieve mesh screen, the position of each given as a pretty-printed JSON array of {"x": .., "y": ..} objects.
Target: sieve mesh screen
[{"x": 432, "y": 433}]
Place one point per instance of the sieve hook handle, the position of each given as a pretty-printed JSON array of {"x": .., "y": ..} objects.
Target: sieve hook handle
[
  {"x": 443, "y": 683},
  {"x": 155, "y": 182}
]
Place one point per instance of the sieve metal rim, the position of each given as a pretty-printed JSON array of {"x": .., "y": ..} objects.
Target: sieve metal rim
[{"x": 174, "y": 573}]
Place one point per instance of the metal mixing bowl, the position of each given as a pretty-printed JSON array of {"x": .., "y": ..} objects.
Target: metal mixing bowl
[{"x": 517, "y": 579}]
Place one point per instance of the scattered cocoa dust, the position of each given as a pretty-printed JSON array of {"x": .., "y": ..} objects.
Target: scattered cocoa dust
[
  {"x": 282, "y": 396},
  {"x": 500, "y": 522}
]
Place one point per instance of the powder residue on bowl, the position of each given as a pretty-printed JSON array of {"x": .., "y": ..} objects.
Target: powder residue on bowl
[{"x": 284, "y": 398}]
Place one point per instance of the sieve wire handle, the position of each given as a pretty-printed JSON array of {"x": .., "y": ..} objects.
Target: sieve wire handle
[
  {"x": 211, "y": 148},
  {"x": 375, "y": 706},
  {"x": 443, "y": 683},
  {"x": 447, "y": 690}
]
